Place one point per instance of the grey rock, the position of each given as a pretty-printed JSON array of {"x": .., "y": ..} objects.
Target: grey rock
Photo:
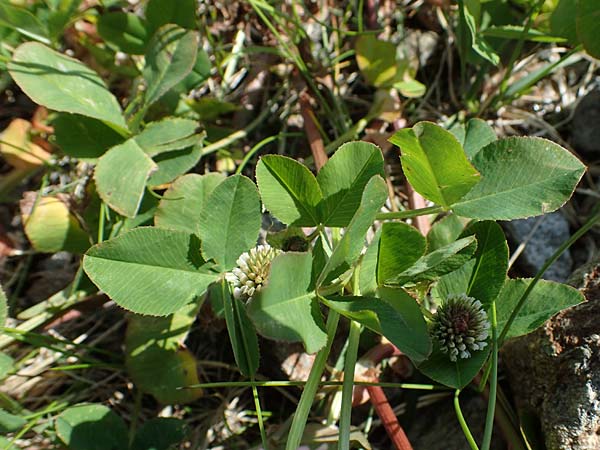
[
  {"x": 586, "y": 125},
  {"x": 554, "y": 372},
  {"x": 552, "y": 231}
]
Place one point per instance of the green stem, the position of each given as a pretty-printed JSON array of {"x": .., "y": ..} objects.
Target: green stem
[
  {"x": 409, "y": 213},
  {"x": 261, "y": 423},
  {"x": 489, "y": 420},
  {"x": 260, "y": 145},
  {"x": 517, "y": 50},
  {"x": 240, "y": 134},
  {"x": 312, "y": 384},
  {"x": 348, "y": 387},
  {"x": 287, "y": 383},
  {"x": 463, "y": 423},
  {"x": 101, "y": 221},
  {"x": 584, "y": 229}
]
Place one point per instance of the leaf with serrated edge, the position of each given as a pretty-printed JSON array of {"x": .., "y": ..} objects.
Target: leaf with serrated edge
[
  {"x": 181, "y": 206},
  {"x": 121, "y": 176},
  {"x": 343, "y": 178},
  {"x": 230, "y": 221},
  {"x": 289, "y": 190},
  {"x": 546, "y": 299},
  {"x": 149, "y": 270},
  {"x": 522, "y": 177},
  {"x": 59, "y": 82}
]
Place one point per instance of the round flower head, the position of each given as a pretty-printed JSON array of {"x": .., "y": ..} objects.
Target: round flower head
[
  {"x": 252, "y": 271},
  {"x": 460, "y": 326}
]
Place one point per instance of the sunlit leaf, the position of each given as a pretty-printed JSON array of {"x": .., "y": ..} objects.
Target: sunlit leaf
[
  {"x": 63, "y": 83},
  {"x": 150, "y": 270}
]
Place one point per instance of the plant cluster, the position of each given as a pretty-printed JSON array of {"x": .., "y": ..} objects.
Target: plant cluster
[{"x": 160, "y": 240}]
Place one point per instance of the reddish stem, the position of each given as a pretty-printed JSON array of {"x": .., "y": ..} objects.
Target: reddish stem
[
  {"x": 388, "y": 418},
  {"x": 312, "y": 132}
]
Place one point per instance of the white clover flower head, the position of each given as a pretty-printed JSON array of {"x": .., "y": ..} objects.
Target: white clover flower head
[
  {"x": 252, "y": 271},
  {"x": 460, "y": 326}
]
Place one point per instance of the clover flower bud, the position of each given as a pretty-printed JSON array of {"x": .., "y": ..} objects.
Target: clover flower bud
[
  {"x": 252, "y": 271},
  {"x": 460, "y": 326}
]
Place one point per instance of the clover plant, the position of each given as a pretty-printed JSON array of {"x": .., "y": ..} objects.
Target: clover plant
[{"x": 444, "y": 300}]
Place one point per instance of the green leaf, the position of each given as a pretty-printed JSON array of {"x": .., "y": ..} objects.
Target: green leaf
[
  {"x": 125, "y": 30},
  {"x": 64, "y": 84},
  {"x": 171, "y": 56},
  {"x": 457, "y": 374},
  {"x": 230, "y": 221},
  {"x": 23, "y": 21},
  {"x": 144, "y": 216},
  {"x": 289, "y": 190},
  {"x": 478, "y": 134},
  {"x": 3, "y": 307},
  {"x": 455, "y": 282},
  {"x": 63, "y": 13},
  {"x": 10, "y": 422},
  {"x": 199, "y": 74},
  {"x": 546, "y": 299},
  {"x": 410, "y": 88},
  {"x": 172, "y": 133},
  {"x": 182, "y": 204},
  {"x": 588, "y": 15},
  {"x": 396, "y": 315},
  {"x": 174, "y": 164},
  {"x": 157, "y": 359},
  {"x": 400, "y": 246},
  {"x": 445, "y": 231},
  {"x": 83, "y": 137},
  {"x": 343, "y": 178},
  {"x": 484, "y": 276},
  {"x": 437, "y": 263},
  {"x": 522, "y": 177},
  {"x": 376, "y": 60},
  {"x": 91, "y": 427},
  {"x": 242, "y": 334},
  {"x": 367, "y": 270},
  {"x": 434, "y": 163},
  {"x": 161, "y": 12},
  {"x": 160, "y": 433},
  {"x": 5, "y": 444},
  {"x": 7, "y": 364},
  {"x": 475, "y": 39},
  {"x": 149, "y": 270},
  {"x": 563, "y": 21},
  {"x": 491, "y": 262},
  {"x": 518, "y": 32},
  {"x": 288, "y": 311},
  {"x": 349, "y": 247},
  {"x": 121, "y": 176}
]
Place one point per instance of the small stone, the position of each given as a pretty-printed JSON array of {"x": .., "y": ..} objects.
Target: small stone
[{"x": 551, "y": 232}]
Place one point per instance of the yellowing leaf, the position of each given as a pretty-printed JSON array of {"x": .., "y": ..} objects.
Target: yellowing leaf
[
  {"x": 50, "y": 226},
  {"x": 17, "y": 148}
]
